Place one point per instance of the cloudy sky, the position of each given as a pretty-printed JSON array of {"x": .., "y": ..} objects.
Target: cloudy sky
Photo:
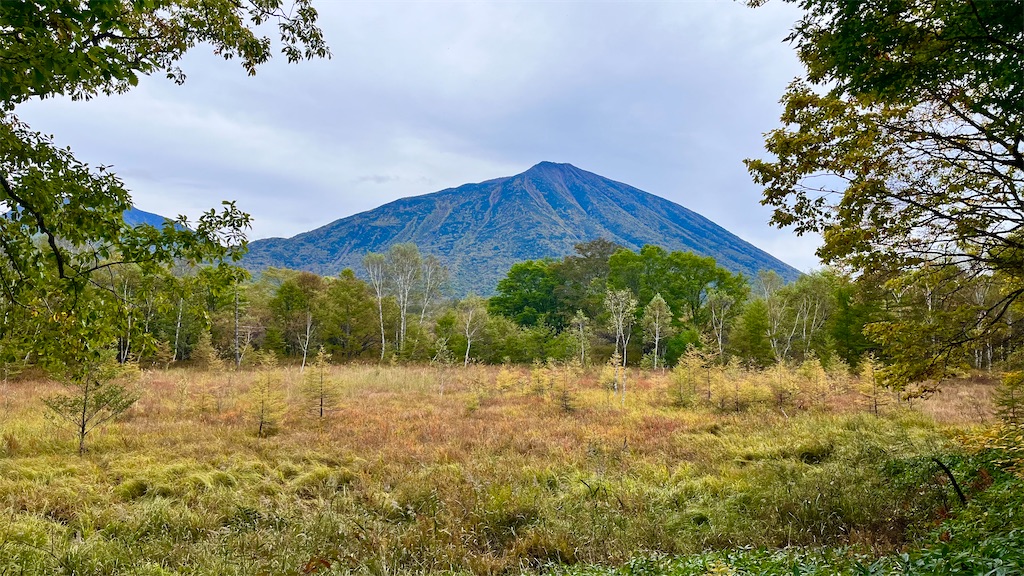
[{"x": 669, "y": 97}]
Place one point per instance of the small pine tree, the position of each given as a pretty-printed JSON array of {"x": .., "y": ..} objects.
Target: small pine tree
[
  {"x": 871, "y": 389},
  {"x": 694, "y": 375},
  {"x": 566, "y": 401},
  {"x": 540, "y": 378},
  {"x": 687, "y": 377},
  {"x": 266, "y": 399},
  {"x": 738, "y": 393},
  {"x": 811, "y": 381},
  {"x": 783, "y": 386},
  {"x": 319, "y": 390},
  {"x": 163, "y": 355},
  {"x": 97, "y": 392},
  {"x": 570, "y": 372},
  {"x": 204, "y": 355},
  {"x": 1009, "y": 399},
  {"x": 609, "y": 377},
  {"x": 837, "y": 373},
  {"x": 507, "y": 378}
]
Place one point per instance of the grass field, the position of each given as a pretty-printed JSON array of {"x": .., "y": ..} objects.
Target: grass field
[{"x": 483, "y": 470}]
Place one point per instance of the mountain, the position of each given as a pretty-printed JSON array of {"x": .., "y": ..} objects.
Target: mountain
[
  {"x": 135, "y": 217},
  {"x": 480, "y": 230}
]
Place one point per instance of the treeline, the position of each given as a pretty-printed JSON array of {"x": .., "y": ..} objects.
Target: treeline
[{"x": 602, "y": 303}]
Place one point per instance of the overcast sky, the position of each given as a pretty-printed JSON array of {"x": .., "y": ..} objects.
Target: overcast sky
[{"x": 669, "y": 97}]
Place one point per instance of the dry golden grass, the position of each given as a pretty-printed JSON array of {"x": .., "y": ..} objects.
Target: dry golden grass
[
  {"x": 963, "y": 401},
  {"x": 482, "y": 470}
]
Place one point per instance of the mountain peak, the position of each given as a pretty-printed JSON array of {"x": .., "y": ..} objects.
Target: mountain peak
[
  {"x": 480, "y": 230},
  {"x": 546, "y": 166}
]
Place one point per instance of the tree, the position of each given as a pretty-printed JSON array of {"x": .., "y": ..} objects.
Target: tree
[
  {"x": 856, "y": 305},
  {"x": 526, "y": 294},
  {"x": 293, "y": 309},
  {"x": 581, "y": 278},
  {"x": 375, "y": 266},
  {"x": 96, "y": 395},
  {"x": 266, "y": 399},
  {"x": 239, "y": 310},
  {"x": 750, "y": 336},
  {"x": 782, "y": 327},
  {"x": 657, "y": 323},
  {"x": 621, "y": 307},
  {"x": 347, "y": 315},
  {"x": 318, "y": 389},
  {"x": 84, "y": 49},
  {"x": 240, "y": 338},
  {"x": 904, "y": 147},
  {"x": 684, "y": 280},
  {"x": 581, "y": 334},
  {"x": 472, "y": 315},
  {"x": 434, "y": 276},
  {"x": 403, "y": 262},
  {"x": 80, "y": 50},
  {"x": 722, "y": 310}
]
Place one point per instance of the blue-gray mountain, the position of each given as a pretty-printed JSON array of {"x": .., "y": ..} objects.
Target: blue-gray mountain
[
  {"x": 136, "y": 217},
  {"x": 480, "y": 230}
]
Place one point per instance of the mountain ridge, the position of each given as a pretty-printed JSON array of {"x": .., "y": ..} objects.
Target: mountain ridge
[{"x": 479, "y": 230}]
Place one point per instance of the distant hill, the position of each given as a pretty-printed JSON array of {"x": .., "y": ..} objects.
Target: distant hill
[
  {"x": 480, "y": 230},
  {"x": 135, "y": 217}
]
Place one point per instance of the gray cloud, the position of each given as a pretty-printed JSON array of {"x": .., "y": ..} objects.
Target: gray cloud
[{"x": 668, "y": 97}]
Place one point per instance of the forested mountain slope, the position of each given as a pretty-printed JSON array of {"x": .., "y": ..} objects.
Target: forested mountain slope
[{"x": 480, "y": 230}]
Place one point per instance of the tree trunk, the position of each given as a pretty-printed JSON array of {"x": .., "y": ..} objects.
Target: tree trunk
[
  {"x": 238, "y": 350},
  {"x": 380, "y": 312},
  {"x": 83, "y": 418},
  {"x": 305, "y": 343},
  {"x": 657, "y": 337},
  {"x": 177, "y": 329}
]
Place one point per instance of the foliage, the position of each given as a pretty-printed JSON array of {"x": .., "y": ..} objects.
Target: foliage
[
  {"x": 581, "y": 335},
  {"x": 204, "y": 355},
  {"x": 96, "y": 394},
  {"x": 750, "y": 336},
  {"x": 63, "y": 227},
  {"x": 693, "y": 377},
  {"x": 82, "y": 50},
  {"x": 472, "y": 317},
  {"x": 347, "y": 317},
  {"x": 657, "y": 326},
  {"x": 265, "y": 398},
  {"x": 1006, "y": 439},
  {"x": 527, "y": 293},
  {"x": 621, "y": 306},
  {"x": 1009, "y": 399},
  {"x": 902, "y": 147},
  {"x": 318, "y": 388}
]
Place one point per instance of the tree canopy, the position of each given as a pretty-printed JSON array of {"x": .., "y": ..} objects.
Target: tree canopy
[
  {"x": 62, "y": 220},
  {"x": 85, "y": 48},
  {"x": 903, "y": 146}
]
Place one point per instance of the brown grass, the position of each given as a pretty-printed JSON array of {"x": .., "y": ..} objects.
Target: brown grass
[{"x": 424, "y": 468}]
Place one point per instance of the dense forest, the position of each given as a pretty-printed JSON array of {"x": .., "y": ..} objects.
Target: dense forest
[{"x": 645, "y": 308}]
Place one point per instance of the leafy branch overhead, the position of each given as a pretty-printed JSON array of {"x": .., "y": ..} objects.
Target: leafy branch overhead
[
  {"x": 78, "y": 211},
  {"x": 62, "y": 231},
  {"x": 83, "y": 49},
  {"x": 903, "y": 147}
]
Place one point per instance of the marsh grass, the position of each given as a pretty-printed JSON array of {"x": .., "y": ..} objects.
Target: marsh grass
[{"x": 505, "y": 469}]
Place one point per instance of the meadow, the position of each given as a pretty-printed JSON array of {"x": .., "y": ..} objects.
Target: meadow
[{"x": 496, "y": 470}]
